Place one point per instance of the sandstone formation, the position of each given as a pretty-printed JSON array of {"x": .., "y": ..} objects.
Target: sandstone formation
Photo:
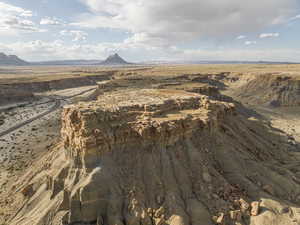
[
  {"x": 269, "y": 89},
  {"x": 196, "y": 83},
  {"x": 139, "y": 156}
]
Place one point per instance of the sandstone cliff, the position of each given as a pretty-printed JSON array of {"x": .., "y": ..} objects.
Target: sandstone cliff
[
  {"x": 269, "y": 89},
  {"x": 159, "y": 156}
]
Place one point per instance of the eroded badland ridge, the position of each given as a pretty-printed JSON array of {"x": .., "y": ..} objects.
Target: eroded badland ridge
[{"x": 163, "y": 146}]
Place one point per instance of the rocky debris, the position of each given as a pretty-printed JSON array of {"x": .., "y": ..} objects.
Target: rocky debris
[
  {"x": 255, "y": 208},
  {"x": 28, "y": 191},
  {"x": 244, "y": 205},
  {"x": 162, "y": 156},
  {"x": 236, "y": 215},
  {"x": 219, "y": 219},
  {"x": 240, "y": 215}
]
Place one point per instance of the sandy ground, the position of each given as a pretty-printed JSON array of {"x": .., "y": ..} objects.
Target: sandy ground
[
  {"x": 20, "y": 114},
  {"x": 19, "y": 149}
]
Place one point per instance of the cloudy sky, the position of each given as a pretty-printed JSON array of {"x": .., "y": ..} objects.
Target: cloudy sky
[{"x": 151, "y": 29}]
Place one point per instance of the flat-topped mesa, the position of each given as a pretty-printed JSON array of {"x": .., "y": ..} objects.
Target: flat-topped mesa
[
  {"x": 135, "y": 118},
  {"x": 162, "y": 157}
]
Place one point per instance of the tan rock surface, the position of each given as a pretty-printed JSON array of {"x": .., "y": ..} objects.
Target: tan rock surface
[{"x": 159, "y": 156}]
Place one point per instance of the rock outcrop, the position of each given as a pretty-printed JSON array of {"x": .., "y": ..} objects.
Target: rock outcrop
[
  {"x": 114, "y": 60},
  {"x": 159, "y": 156},
  {"x": 269, "y": 89}
]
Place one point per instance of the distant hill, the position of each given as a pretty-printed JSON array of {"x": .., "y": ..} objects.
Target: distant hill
[
  {"x": 114, "y": 59},
  {"x": 11, "y": 60},
  {"x": 67, "y": 62}
]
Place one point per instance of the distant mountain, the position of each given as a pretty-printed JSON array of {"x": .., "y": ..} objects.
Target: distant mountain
[
  {"x": 67, "y": 62},
  {"x": 114, "y": 59},
  {"x": 11, "y": 60}
]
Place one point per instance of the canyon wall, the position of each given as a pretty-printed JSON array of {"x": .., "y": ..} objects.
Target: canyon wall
[
  {"x": 25, "y": 91},
  {"x": 269, "y": 89}
]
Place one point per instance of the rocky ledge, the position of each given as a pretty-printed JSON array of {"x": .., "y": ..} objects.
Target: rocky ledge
[{"x": 159, "y": 156}]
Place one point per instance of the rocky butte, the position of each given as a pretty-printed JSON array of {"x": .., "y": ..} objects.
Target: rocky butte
[
  {"x": 162, "y": 156},
  {"x": 114, "y": 60},
  {"x": 11, "y": 60}
]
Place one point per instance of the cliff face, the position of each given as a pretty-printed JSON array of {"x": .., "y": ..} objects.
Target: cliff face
[
  {"x": 154, "y": 156},
  {"x": 274, "y": 90},
  {"x": 11, "y": 94},
  {"x": 25, "y": 91}
]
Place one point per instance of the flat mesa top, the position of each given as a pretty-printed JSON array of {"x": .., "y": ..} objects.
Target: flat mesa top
[{"x": 140, "y": 98}]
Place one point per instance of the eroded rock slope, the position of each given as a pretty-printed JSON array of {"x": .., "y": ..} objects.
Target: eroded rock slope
[
  {"x": 268, "y": 89},
  {"x": 159, "y": 156}
]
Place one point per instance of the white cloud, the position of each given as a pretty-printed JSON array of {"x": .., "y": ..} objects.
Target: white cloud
[
  {"x": 269, "y": 35},
  {"x": 295, "y": 17},
  {"x": 14, "y": 10},
  {"x": 77, "y": 35},
  {"x": 178, "y": 21},
  {"x": 250, "y": 42},
  {"x": 241, "y": 37},
  {"x": 46, "y": 50},
  {"x": 51, "y": 21},
  {"x": 279, "y": 55},
  {"x": 14, "y": 20}
]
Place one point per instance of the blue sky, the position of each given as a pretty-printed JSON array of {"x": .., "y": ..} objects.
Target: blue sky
[{"x": 151, "y": 30}]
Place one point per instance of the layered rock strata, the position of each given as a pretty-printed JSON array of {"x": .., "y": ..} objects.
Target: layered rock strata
[
  {"x": 269, "y": 89},
  {"x": 154, "y": 156}
]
